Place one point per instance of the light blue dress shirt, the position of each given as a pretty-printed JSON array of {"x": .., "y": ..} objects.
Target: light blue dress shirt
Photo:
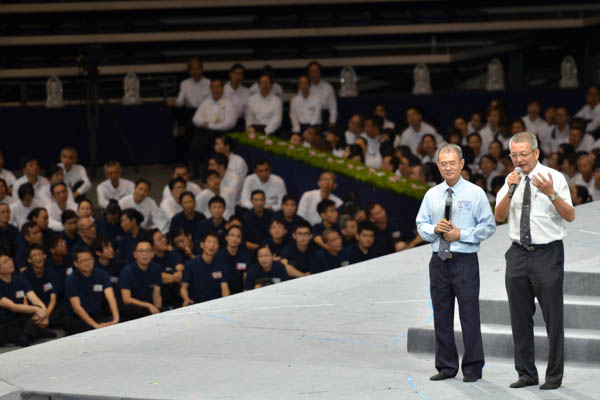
[{"x": 471, "y": 213}]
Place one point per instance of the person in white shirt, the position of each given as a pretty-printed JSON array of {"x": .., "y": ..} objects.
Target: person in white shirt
[
  {"x": 591, "y": 111},
  {"x": 216, "y": 113},
  {"x": 5, "y": 198},
  {"x": 413, "y": 135},
  {"x": 76, "y": 176},
  {"x": 307, "y": 208},
  {"x": 211, "y": 189},
  {"x": 231, "y": 183},
  {"x": 595, "y": 188},
  {"x": 461, "y": 124},
  {"x": 236, "y": 164},
  {"x": 141, "y": 201},
  {"x": 20, "y": 209},
  {"x": 323, "y": 90},
  {"x": 533, "y": 122},
  {"x": 60, "y": 203},
  {"x": 474, "y": 143},
  {"x": 492, "y": 128},
  {"x": 382, "y": 112},
  {"x": 193, "y": 90},
  {"x": 487, "y": 167},
  {"x": 5, "y": 174},
  {"x": 169, "y": 206},
  {"x": 355, "y": 129},
  {"x": 475, "y": 123},
  {"x": 234, "y": 90},
  {"x": 114, "y": 187},
  {"x": 373, "y": 124},
  {"x": 31, "y": 174},
  {"x": 580, "y": 140},
  {"x": 181, "y": 170},
  {"x": 262, "y": 179},
  {"x": 427, "y": 148},
  {"x": 54, "y": 174},
  {"x": 305, "y": 107},
  {"x": 556, "y": 134},
  {"x": 585, "y": 172},
  {"x": 264, "y": 109},
  {"x": 276, "y": 88}
]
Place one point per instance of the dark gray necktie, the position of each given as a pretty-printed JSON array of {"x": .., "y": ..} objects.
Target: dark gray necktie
[
  {"x": 524, "y": 226},
  {"x": 444, "y": 249}
]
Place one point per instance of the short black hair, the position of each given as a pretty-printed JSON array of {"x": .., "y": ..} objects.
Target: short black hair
[
  {"x": 366, "y": 226},
  {"x": 55, "y": 185},
  {"x": 27, "y": 226},
  {"x": 255, "y": 192},
  {"x": 303, "y": 224},
  {"x": 174, "y": 181},
  {"x": 34, "y": 246},
  {"x": 237, "y": 66},
  {"x": 52, "y": 169},
  {"x": 186, "y": 193},
  {"x": 27, "y": 159},
  {"x": 261, "y": 161},
  {"x": 52, "y": 241},
  {"x": 134, "y": 215},
  {"x": 209, "y": 234},
  {"x": 113, "y": 207},
  {"x": 216, "y": 199},
  {"x": 26, "y": 189},
  {"x": 376, "y": 120},
  {"x": 279, "y": 220},
  {"x": 81, "y": 250},
  {"x": 35, "y": 213},
  {"x": 324, "y": 205},
  {"x": 318, "y": 64},
  {"x": 226, "y": 140},
  {"x": 67, "y": 215},
  {"x": 143, "y": 180},
  {"x": 211, "y": 172},
  {"x": 288, "y": 197},
  {"x": 220, "y": 159}
]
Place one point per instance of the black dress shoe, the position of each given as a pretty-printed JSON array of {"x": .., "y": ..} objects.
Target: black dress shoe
[
  {"x": 522, "y": 383},
  {"x": 470, "y": 378},
  {"x": 440, "y": 377},
  {"x": 549, "y": 386}
]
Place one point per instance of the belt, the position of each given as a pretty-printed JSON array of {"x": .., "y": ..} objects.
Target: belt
[
  {"x": 533, "y": 247},
  {"x": 455, "y": 254}
]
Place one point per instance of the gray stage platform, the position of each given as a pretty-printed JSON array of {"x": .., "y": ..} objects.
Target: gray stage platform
[{"x": 337, "y": 335}]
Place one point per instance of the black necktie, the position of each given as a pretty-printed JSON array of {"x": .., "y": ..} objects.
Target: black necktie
[
  {"x": 524, "y": 226},
  {"x": 444, "y": 249}
]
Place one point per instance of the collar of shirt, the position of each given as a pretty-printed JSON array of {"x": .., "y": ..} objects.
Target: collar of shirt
[{"x": 456, "y": 188}]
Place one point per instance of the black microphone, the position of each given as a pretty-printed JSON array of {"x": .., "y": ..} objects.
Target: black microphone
[
  {"x": 511, "y": 191},
  {"x": 448, "y": 208}
]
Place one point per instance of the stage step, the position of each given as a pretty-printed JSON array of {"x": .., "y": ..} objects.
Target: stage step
[
  {"x": 581, "y": 283},
  {"x": 581, "y": 345}
]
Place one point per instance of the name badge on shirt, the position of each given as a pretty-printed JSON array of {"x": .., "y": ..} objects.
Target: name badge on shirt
[
  {"x": 272, "y": 200},
  {"x": 396, "y": 234},
  {"x": 240, "y": 266},
  {"x": 47, "y": 287},
  {"x": 464, "y": 205},
  {"x": 169, "y": 269},
  {"x": 114, "y": 279},
  {"x": 276, "y": 280},
  {"x": 344, "y": 263},
  {"x": 217, "y": 275},
  {"x": 97, "y": 288},
  {"x": 20, "y": 294},
  {"x": 69, "y": 271}
]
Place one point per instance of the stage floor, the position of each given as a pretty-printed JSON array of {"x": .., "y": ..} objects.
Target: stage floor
[{"x": 336, "y": 335}]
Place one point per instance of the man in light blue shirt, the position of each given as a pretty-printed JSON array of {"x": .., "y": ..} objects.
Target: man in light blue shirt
[{"x": 455, "y": 216}]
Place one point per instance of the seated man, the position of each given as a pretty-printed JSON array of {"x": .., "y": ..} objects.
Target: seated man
[
  {"x": 348, "y": 229},
  {"x": 183, "y": 243},
  {"x": 31, "y": 175},
  {"x": 262, "y": 179},
  {"x": 5, "y": 197},
  {"x": 60, "y": 261},
  {"x": 141, "y": 283},
  {"x": 297, "y": 255},
  {"x": 86, "y": 230},
  {"x": 172, "y": 267},
  {"x": 264, "y": 109},
  {"x": 355, "y": 128},
  {"x": 70, "y": 221},
  {"x": 305, "y": 107},
  {"x": 277, "y": 239},
  {"x": 388, "y": 237},
  {"x": 32, "y": 234},
  {"x": 372, "y": 134},
  {"x": 257, "y": 221},
  {"x": 75, "y": 174},
  {"x": 54, "y": 174},
  {"x": 307, "y": 208},
  {"x": 20, "y": 321},
  {"x": 233, "y": 259},
  {"x": 8, "y": 232},
  {"x": 231, "y": 184},
  {"x": 114, "y": 187},
  {"x": 189, "y": 218},
  {"x": 288, "y": 214},
  {"x": 217, "y": 113},
  {"x": 204, "y": 280},
  {"x": 182, "y": 171},
  {"x": 216, "y": 223},
  {"x": 362, "y": 249},
  {"x": 169, "y": 206},
  {"x": 90, "y": 299},
  {"x": 329, "y": 220},
  {"x": 212, "y": 188},
  {"x": 329, "y": 257},
  {"x": 59, "y": 204},
  {"x": 141, "y": 201},
  {"x": 107, "y": 261},
  {"x": 26, "y": 202},
  {"x": 235, "y": 164},
  {"x": 266, "y": 267}
]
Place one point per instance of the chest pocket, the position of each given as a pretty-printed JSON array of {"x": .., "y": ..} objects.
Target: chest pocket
[{"x": 541, "y": 206}]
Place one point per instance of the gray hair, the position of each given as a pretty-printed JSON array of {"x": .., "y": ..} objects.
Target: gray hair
[
  {"x": 524, "y": 137},
  {"x": 447, "y": 148},
  {"x": 111, "y": 163}
]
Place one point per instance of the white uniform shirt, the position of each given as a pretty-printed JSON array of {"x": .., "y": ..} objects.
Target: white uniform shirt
[
  {"x": 536, "y": 127},
  {"x": 239, "y": 98},
  {"x": 412, "y": 138},
  {"x": 550, "y": 144},
  {"x": 166, "y": 211},
  {"x": 487, "y": 137},
  {"x": 595, "y": 193},
  {"x": 19, "y": 213},
  {"x": 231, "y": 187},
  {"x": 596, "y": 144},
  {"x": 237, "y": 165},
  {"x": 221, "y": 115},
  {"x": 305, "y": 110},
  {"x": 264, "y": 111},
  {"x": 76, "y": 174},
  {"x": 324, "y": 91},
  {"x": 106, "y": 191},
  {"x": 274, "y": 189},
  {"x": 587, "y": 143},
  {"x": 204, "y": 197},
  {"x": 46, "y": 197},
  {"x": 55, "y": 214},
  {"x": 578, "y": 180},
  {"x": 8, "y": 176},
  {"x": 8, "y": 199},
  {"x": 276, "y": 89},
  {"x": 387, "y": 124},
  {"x": 189, "y": 187},
  {"x": 37, "y": 187},
  {"x": 591, "y": 115},
  {"x": 192, "y": 93},
  {"x": 307, "y": 207},
  {"x": 545, "y": 222},
  {"x": 351, "y": 137},
  {"x": 147, "y": 208},
  {"x": 372, "y": 155}
]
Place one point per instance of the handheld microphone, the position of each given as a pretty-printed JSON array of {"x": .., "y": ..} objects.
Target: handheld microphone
[
  {"x": 511, "y": 191},
  {"x": 448, "y": 208}
]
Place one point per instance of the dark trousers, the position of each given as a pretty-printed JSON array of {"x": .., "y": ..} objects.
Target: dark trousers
[
  {"x": 456, "y": 278},
  {"x": 75, "y": 325},
  {"x": 170, "y": 295},
  {"x": 131, "y": 311},
  {"x": 529, "y": 274},
  {"x": 201, "y": 147},
  {"x": 19, "y": 325}
]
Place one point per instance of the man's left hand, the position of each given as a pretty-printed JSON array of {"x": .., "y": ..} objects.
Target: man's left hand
[
  {"x": 544, "y": 185},
  {"x": 452, "y": 235}
]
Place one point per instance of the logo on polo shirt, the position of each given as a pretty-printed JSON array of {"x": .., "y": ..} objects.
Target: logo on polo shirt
[
  {"x": 344, "y": 263},
  {"x": 396, "y": 234},
  {"x": 19, "y": 294},
  {"x": 114, "y": 279},
  {"x": 240, "y": 266},
  {"x": 464, "y": 205},
  {"x": 48, "y": 286},
  {"x": 276, "y": 280},
  {"x": 217, "y": 275},
  {"x": 69, "y": 271},
  {"x": 97, "y": 288}
]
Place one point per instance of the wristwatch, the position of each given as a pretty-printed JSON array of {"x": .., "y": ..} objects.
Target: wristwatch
[{"x": 554, "y": 196}]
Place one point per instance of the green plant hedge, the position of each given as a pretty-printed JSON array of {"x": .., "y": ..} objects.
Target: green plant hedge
[{"x": 326, "y": 161}]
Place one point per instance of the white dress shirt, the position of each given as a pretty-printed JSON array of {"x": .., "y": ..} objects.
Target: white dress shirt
[
  {"x": 412, "y": 138},
  {"x": 106, "y": 191},
  {"x": 387, "y": 124},
  {"x": 351, "y": 137},
  {"x": 8, "y": 176},
  {"x": 192, "y": 93},
  {"x": 7, "y": 199},
  {"x": 324, "y": 91},
  {"x": 75, "y": 174},
  {"x": 55, "y": 214},
  {"x": 239, "y": 98},
  {"x": 147, "y": 208},
  {"x": 305, "y": 110},
  {"x": 587, "y": 143},
  {"x": 166, "y": 211},
  {"x": 536, "y": 127},
  {"x": 276, "y": 89},
  {"x": 487, "y": 136},
  {"x": 189, "y": 187},
  {"x": 231, "y": 187},
  {"x": 372, "y": 155},
  {"x": 550, "y": 144},
  {"x": 307, "y": 207},
  {"x": 595, "y": 193},
  {"x": 545, "y": 222},
  {"x": 264, "y": 111},
  {"x": 202, "y": 201},
  {"x": 237, "y": 165},
  {"x": 591, "y": 115},
  {"x": 274, "y": 189},
  {"x": 19, "y": 213},
  {"x": 221, "y": 115},
  {"x": 578, "y": 180},
  {"x": 37, "y": 187}
]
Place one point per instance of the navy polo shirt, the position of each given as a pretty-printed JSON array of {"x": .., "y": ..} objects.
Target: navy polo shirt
[
  {"x": 43, "y": 286},
  {"x": 256, "y": 229},
  {"x": 386, "y": 239},
  {"x": 204, "y": 279},
  {"x": 71, "y": 242},
  {"x": 10, "y": 235},
  {"x": 289, "y": 225},
  {"x": 205, "y": 227},
  {"x": 106, "y": 230},
  {"x": 168, "y": 261},
  {"x": 140, "y": 282},
  {"x": 277, "y": 249},
  {"x": 233, "y": 267},
  {"x": 300, "y": 260},
  {"x": 352, "y": 254},
  {"x": 347, "y": 242},
  {"x": 21, "y": 256},
  {"x": 319, "y": 228},
  {"x": 62, "y": 272},
  {"x": 276, "y": 274},
  {"x": 14, "y": 291},
  {"x": 89, "y": 290},
  {"x": 179, "y": 220},
  {"x": 324, "y": 261},
  {"x": 127, "y": 246}
]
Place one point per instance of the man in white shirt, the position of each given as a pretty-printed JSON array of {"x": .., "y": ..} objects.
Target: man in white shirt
[
  {"x": 556, "y": 134},
  {"x": 580, "y": 140},
  {"x": 5, "y": 198},
  {"x": 264, "y": 109},
  {"x": 5, "y": 174},
  {"x": 60, "y": 203},
  {"x": 276, "y": 88},
  {"x": 585, "y": 172},
  {"x": 54, "y": 174},
  {"x": 216, "y": 113},
  {"x": 181, "y": 170},
  {"x": 537, "y": 214},
  {"x": 234, "y": 90},
  {"x": 20, "y": 209},
  {"x": 591, "y": 111},
  {"x": 305, "y": 107},
  {"x": 211, "y": 189},
  {"x": 356, "y": 125},
  {"x": 491, "y": 129},
  {"x": 383, "y": 113},
  {"x": 373, "y": 124},
  {"x": 169, "y": 206},
  {"x": 193, "y": 90},
  {"x": 236, "y": 164},
  {"x": 76, "y": 176},
  {"x": 262, "y": 179},
  {"x": 31, "y": 174},
  {"x": 141, "y": 201},
  {"x": 307, "y": 208},
  {"x": 533, "y": 122},
  {"x": 231, "y": 183},
  {"x": 595, "y": 188},
  {"x": 323, "y": 90},
  {"x": 413, "y": 135},
  {"x": 114, "y": 187}
]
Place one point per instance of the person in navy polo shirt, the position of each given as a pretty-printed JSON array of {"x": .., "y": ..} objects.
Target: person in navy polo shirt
[
  {"x": 257, "y": 221},
  {"x": 131, "y": 220},
  {"x": 171, "y": 262},
  {"x": 19, "y": 322},
  {"x": 8, "y": 232},
  {"x": 329, "y": 220},
  {"x": 90, "y": 299},
  {"x": 69, "y": 219},
  {"x": 106, "y": 260},
  {"x": 60, "y": 261},
  {"x": 233, "y": 260},
  {"x": 362, "y": 249},
  {"x": 140, "y": 284},
  {"x": 267, "y": 267},
  {"x": 289, "y": 215},
  {"x": 109, "y": 226},
  {"x": 203, "y": 279},
  {"x": 297, "y": 255},
  {"x": 43, "y": 282},
  {"x": 189, "y": 218},
  {"x": 216, "y": 223},
  {"x": 329, "y": 257},
  {"x": 30, "y": 233},
  {"x": 183, "y": 243},
  {"x": 277, "y": 239}
]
